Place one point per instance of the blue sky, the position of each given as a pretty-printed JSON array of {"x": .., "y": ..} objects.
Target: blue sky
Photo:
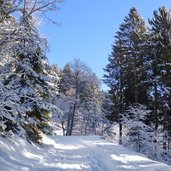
[{"x": 87, "y": 29}]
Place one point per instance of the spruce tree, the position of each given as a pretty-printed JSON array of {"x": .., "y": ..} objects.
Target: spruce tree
[
  {"x": 126, "y": 71},
  {"x": 27, "y": 106},
  {"x": 160, "y": 55}
]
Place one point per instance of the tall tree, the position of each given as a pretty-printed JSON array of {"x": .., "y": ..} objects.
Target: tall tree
[
  {"x": 23, "y": 70},
  {"x": 160, "y": 55},
  {"x": 126, "y": 71}
]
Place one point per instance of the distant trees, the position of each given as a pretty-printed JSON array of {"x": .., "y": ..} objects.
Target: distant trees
[
  {"x": 138, "y": 74},
  {"x": 80, "y": 89}
]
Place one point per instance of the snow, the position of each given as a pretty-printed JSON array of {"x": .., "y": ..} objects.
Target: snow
[{"x": 61, "y": 153}]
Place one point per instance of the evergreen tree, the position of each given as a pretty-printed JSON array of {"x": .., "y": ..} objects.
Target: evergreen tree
[
  {"x": 133, "y": 35},
  {"x": 27, "y": 106},
  {"x": 160, "y": 55},
  {"x": 126, "y": 71}
]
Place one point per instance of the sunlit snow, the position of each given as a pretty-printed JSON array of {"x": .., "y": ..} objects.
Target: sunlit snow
[{"x": 61, "y": 153}]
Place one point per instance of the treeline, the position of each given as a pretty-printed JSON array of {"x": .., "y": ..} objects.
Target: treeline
[
  {"x": 139, "y": 77},
  {"x": 82, "y": 103},
  {"x": 34, "y": 94}
]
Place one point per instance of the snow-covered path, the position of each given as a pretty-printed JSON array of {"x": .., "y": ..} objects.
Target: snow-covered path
[{"x": 89, "y": 153}]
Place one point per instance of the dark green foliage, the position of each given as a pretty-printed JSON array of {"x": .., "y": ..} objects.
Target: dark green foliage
[
  {"x": 126, "y": 71},
  {"x": 139, "y": 69},
  {"x": 33, "y": 133},
  {"x": 160, "y": 55}
]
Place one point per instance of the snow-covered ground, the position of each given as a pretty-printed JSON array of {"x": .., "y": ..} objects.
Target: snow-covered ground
[{"x": 58, "y": 153}]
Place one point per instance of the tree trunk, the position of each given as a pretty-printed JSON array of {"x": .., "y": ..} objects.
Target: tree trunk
[
  {"x": 68, "y": 125},
  {"x": 120, "y": 133},
  {"x": 136, "y": 91},
  {"x": 63, "y": 128},
  {"x": 155, "y": 106},
  {"x": 86, "y": 124},
  {"x": 85, "y": 131},
  {"x": 120, "y": 108},
  {"x": 69, "y": 122},
  {"x": 72, "y": 120}
]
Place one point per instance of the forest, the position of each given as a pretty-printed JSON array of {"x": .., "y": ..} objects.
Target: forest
[
  {"x": 139, "y": 77},
  {"x": 36, "y": 97}
]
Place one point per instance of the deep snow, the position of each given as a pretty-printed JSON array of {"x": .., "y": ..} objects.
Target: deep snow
[{"x": 58, "y": 153}]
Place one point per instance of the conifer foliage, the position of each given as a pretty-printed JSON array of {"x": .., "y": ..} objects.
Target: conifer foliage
[
  {"x": 138, "y": 75},
  {"x": 25, "y": 88}
]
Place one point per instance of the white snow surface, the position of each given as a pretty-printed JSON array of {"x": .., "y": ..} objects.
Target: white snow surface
[{"x": 61, "y": 153}]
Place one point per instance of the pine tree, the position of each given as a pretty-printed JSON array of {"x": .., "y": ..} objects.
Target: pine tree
[
  {"x": 133, "y": 34},
  {"x": 126, "y": 71},
  {"x": 28, "y": 105},
  {"x": 160, "y": 55},
  {"x": 160, "y": 59},
  {"x": 10, "y": 102}
]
